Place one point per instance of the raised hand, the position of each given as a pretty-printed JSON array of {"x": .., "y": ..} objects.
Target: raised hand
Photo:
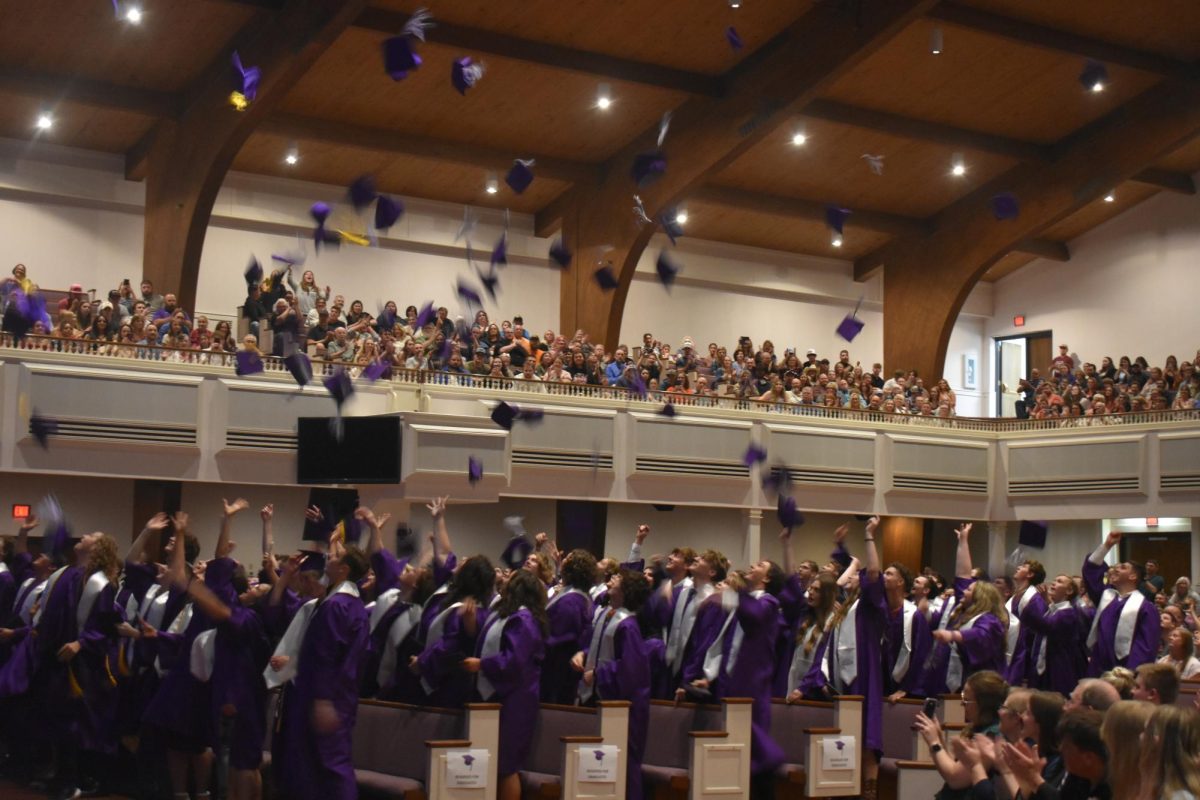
[
  {"x": 785, "y": 535},
  {"x": 181, "y": 523},
  {"x": 840, "y": 534},
  {"x": 1113, "y": 539},
  {"x": 29, "y": 523},
  {"x": 159, "y": 522},
  {"x": 642, "y": 532},
  {"x": 313, "y": 514},
  {"x": 267, "y": 512},
  {"x": 872, "y": 524},
  {"x": 963, "y": 531},
  {"x": 235, "y": 506},
  {"x": 437, "y": 506}
]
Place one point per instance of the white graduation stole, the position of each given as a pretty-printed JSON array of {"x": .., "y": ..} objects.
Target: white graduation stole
[
  {"x": 437, "y": 629},
  {"x": 686, "y": 625},
  {"x": 596, "y": 590},
  {"x": 25, "y": 612},
  {"x": 3, "y": 568},
  {"x": 560, "y": 595},
  {"x": 177, "y": 626},
  {"x": 844, "y": 650},
  {"x": 954, "y": 671},
  {"x": 289, "y": 646},
  {"x": 602, "y": 647},
  {"x": 50, "y": 582},
  {"x": 802, "y": 660},
  {"x": 87, "y": 601},
  {"x": 1016, "y": 606},
  {"x": 151, "y": 610},
  {"x": 902, "y": 660},
  {"x": 492, "y": 639},
  {"x": 683, "y": 603},
  {"x": 402, "y": 626},
  {"x": 378, "y": 610},
  {"x": 947, "y": 610},
  {"x": 1125, "y": 625},
  {"x": 204, "y": 655},
  {"x": 712, "y": 656},
  {"x": 1041, "y": 652}
]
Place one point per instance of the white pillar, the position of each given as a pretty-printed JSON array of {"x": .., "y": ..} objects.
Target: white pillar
[
  {"x": 753, "y": 548},
  {"x": 997, "y": 533},
  {"x": 1195, "y": 574}
]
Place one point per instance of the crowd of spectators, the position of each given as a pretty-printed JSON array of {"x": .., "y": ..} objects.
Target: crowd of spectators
[{"x": 152, "y": 326}]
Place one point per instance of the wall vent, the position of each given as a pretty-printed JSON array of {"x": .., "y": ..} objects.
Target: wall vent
[
  {"x": 277, "y": 441},
  {"x": 676, "y": 466},
  {"x": 114, "y": 431},
  {"x": 1168, "y": 482},
  {"x": 1075, "y": 486},
  {"x": 556, "y": 459},
  {"x": 931, "y": 483},
  {"x": 830, "y": 477}
]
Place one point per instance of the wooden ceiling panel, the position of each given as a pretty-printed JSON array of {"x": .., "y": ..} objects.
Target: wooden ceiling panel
[
  {"x": 1117, "y": 21},
  {"x": 74, "y": 126},
  {"x": 830, "y": 167},
  {"x": 1126, "y": 196},
  {"x": 984, "y": 83},
  {"x": 521, "y": 107},
  {"x": 167, "y": 51},
  {"x": 1007, "y": 266},
  {"x": 775, "y": 232},
  {"x": 689, "y": 36},
  {"x": 1185, "y": 159},
  {"x": 338, "y": 165}
]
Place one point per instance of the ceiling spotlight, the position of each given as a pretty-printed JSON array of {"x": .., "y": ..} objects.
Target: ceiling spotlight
[
  {"x": 735, "y": 3},
  {"x": 492, "y": 185},
  {"x": 959, "y": 167},
  {"x": 837, "y": 240},
  {"x": 935, "y": 41},
  {"x": 293, "y": 155},
  {"x": 681, "y": 216},
  {"x": 133, "y": 15},
  {"x": 604, "y": 97},
  {"x": 799, "y": 138},
  {"x": 1110, "y": 198},
  {"x": 44, "y": 122},
  {"x": 1094, "y": 76}
]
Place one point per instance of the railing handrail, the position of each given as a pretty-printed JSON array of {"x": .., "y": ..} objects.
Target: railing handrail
[{"x": 401, "y": 376}]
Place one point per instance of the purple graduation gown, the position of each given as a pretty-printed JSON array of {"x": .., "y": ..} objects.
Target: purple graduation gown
[
  {"x": 94, "y": 670},
  {"x": 983, "y": 647},
  {"x": 1065, "y": 662},
  {"x": 319, "y": 765},
  {"x": 440, "y": 663},
  {"x": 570, "y": 618},
  {"x": 1021, "y": 668},
  {"x": 709, "y": 619},
  {"x": 515, "y": 676},
  {"x": 920, "y": 645},
  {"x": 387, "y": 577},
  {"x": 181, "y": 706},
  {"x": 627, "y": 677},
  {"x": 793, "y": 607},
  {"x": 751, "y": 675},
  {"x": 1146, "y": 633}
]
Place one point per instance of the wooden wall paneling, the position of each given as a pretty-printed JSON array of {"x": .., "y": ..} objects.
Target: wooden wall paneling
[{"x": 902, "y": 539}]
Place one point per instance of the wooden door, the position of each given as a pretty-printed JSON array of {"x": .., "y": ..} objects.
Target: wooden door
[
  {"x": 1172, "y": 551},
  {"x": 1039, "y": 352}
]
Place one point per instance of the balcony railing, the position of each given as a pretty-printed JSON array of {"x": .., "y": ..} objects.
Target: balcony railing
[{"x": 133, "y": 354}]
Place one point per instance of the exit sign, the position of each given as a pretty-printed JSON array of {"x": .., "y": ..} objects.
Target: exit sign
[
  {"x": 1019, "y": 321},
  {"x": 1151, "y": 522},
  {"x": 21, "y": 511}
]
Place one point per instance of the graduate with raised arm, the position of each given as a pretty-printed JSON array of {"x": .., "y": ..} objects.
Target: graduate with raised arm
[
  {"x": 569, "y": 619},
  {"x": 793, "y": 606},
  {"x": 1126, "y": 628},
  {"x": 444, "y": 564},
  {"x": 29, "y": 576},
  {"x": 907, "y": 640},
  {"x": 1027, "y": 591},
  {"x": 507, "y": 664},
  {"x": 231, "y": 658},
  {"x": 616, "y": 666},
  {"x": 16, "y": 568},
  {"x": 318, "y": 760},
  {"x": 973, "y": 638},
  {"x": 809, "y": 633},
  {"x": 452, "y": 635},
  {"x": 1056, "y": 657}
]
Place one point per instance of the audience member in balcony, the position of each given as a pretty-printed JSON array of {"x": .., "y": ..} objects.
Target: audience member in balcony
[
  {"x": 152, "y": 300},
  {"x": 284, "y": 322},
  {"x": 307, "y": 293},
  {"x": 1126, "y": 628},
  {"x": 253, "y": 310},
  {"x": 167, "y": 310}
]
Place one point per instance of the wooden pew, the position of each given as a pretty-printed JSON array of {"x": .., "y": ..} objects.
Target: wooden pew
[
  {"x": 900, "y": 742},
  {"x": 552, "y": 770},
  {"x": 1187, "y": 693},
  {"x": 386, "y": 765},
  {"x": 920, "y": 780},
  {"x": 950, "y": 710},
  {"x": 698, "y": 751},
  {"x": 800, "y": 729}
]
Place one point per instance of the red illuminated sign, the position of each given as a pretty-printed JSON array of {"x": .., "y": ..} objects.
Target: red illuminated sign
[{"x": 21, "y": 511}]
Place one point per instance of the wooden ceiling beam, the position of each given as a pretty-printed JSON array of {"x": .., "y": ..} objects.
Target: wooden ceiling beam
[
  {"x": 921, "y": 130},
  {"x": 1044, "y": 248},
  {"x": 810, "y": 210},
  {"x": 1047, "y": 38},
  {"x": 1179, "y": 182},
  {"x": 47, "y": 87},
  {"x": 388, "y": 141},
  {"x": 477, "y": 40}
]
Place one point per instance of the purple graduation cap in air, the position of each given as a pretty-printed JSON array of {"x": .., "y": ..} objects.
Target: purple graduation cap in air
[
  {"x": 468, "y": 294},
  {"x": 313, "y": 561},
  {"x": 647, "y": 167},
  {"x": 387, "y": 211},
  {"x": 362, "y": 192},
  {"x": 515, "y": 552},
  {"x": 248, "y": 363},
  {"x": 789, "y": 516},
  {"x": 299, "y": 365},
  {"x": 520, "y": 175},
  {"x": 754, "y": 455},
  {"x": 320, "y": 212},
  {"x": 1033, "y": 534},
  {"x": 248, "y": 78},
  {"x": 560, "y": 256},
  {"x": 835, "y": 217},
  {"x": 339, "y": 386},
  {"x": 778, "y": 479},
  {"x": 399, "y": 52},
  {"x": 425, "y": 315},
  {"x": 376, "y": 370},
  {"x": 42, "y": 428},
  {"x": 606, "y": 278},
  {"x": 504, "y": 415},
  {"x": 500, "y": 251},
  {"x": 474, "y": 470},
  {"x": 465, "y": 72},
  {"x": 669, "y": 219},
  {"x": 666, "y": 269},
  {"x": 735, "y": 40},
  {"x": 254, "y": 272},
  {"x": 1005, "y": 206},
  {"x": 667, "y": 410},
  {"x": 851, "y": 325}
]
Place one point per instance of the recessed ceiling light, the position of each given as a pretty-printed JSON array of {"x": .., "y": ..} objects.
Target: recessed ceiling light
[
  {"x": 291, "y": 158},
  {"x": 491, "y": 186},
  {"x": 935, "y": 41},
  {"x": 681, "y": 216},
  {"x": 958, "y": 167},
  {"x": 799, "y": 138},
  {"x": 1110, "y": 198},
  {"x": 1098, "y": 86},
  {"x": 133, "y": 14},
  {"x": 45, "y": 122},
  {"x": 837, "y": 240},
  {"x": 735, "y": 3},
  {"x": 604, "y": 97}
]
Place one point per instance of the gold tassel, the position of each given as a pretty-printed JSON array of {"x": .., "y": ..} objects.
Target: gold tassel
[
  {"x": 112, "y": 681},
  {"x": 122, "y": 663},
  {"x": 73, "y": 686},
  {"x": 354, "y": 238},
  {"x": 238, "y": 101}
]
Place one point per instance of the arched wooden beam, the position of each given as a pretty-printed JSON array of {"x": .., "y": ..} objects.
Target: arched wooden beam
[
  {"x": 187, "y": 158},
  {"x": 765, "y": 91},
  {"x": 927, "y": 279}
]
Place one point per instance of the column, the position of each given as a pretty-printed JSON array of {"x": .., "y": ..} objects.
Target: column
[
  {"x": 753, "y": 548},
  {"x": 996, "y": 555}
]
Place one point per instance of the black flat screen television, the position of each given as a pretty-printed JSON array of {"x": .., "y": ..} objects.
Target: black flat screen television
[{"x": 369, "y": 450}]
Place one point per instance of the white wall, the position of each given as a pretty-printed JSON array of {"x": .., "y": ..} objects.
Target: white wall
[
  {"x": 89, "y": 504},
  {"x": 1130, "y": 287}
]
